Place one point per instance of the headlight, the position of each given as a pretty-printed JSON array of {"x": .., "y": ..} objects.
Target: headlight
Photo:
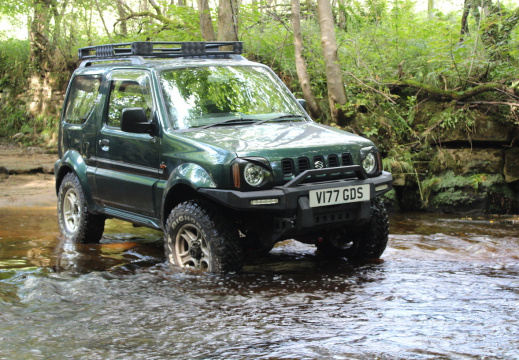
[
  {"x": 369, "y": 163},
  {"x": 254, "y": 174},
  {"x": 251, "y": 174}
]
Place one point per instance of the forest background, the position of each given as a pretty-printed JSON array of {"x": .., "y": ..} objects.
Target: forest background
[{"x": 438, "y": 92}]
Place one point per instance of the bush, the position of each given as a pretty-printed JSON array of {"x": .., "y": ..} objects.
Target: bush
[{"x": 14, "y": 65}]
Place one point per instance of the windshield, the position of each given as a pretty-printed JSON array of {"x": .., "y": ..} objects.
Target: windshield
[{"x": 217, "y": 95}]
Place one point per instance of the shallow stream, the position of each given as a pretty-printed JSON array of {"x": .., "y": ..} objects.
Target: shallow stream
[{"x": 448, "y": 288}]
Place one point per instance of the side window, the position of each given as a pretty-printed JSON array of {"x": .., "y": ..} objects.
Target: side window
[
  {"x": 128, "y": 89},
  {"x": 82, "y": 98}
]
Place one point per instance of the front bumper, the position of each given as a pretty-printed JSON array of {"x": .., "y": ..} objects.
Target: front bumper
[{"x": 293, "y": 199}]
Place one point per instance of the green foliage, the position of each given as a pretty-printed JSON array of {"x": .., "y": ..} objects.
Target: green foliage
[
  {"x": 14, "y": 65},
  {"x": 382, "y": 41},
  {"x": 269, "y": 40},
  {"x": 12, "y": 119},
  {"x": 179, "y": 23},
  {"x": 477, "y": 179},
  {"x": 14, "y": 70},
  {"x": 457, "y": 118}
]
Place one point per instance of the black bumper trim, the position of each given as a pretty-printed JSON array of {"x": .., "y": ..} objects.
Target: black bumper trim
[{"x": 288, "y": 196}]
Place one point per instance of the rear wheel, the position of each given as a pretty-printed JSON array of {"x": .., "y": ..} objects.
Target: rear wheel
[
  {"x": 198, "y": 236},
  {"x": 362, "y": 243},
  {"x": 76, "y": 222}
]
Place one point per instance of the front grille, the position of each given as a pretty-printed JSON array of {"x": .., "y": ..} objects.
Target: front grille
[
  {"x": 319, "y": 161},
  {"x": 287, "y": 167},
  {"x": 303, "y": 164},
  {"x": 333, "y": 160},
  {"x": 346, "y": 159}
]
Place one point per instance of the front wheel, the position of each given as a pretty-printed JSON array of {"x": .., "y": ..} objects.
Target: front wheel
[
  {"x": 76, "y": 222},
  {"x": 198, "y": 236},
  {"x": 362, "y": 243}
]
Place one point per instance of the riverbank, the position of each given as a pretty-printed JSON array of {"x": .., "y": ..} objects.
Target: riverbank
[
  {"x": 27, "y": 179},
  {"x": 26, "y": 176}
]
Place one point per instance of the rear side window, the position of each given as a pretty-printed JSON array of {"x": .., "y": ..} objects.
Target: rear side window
[{"x": 82, "y": 98}]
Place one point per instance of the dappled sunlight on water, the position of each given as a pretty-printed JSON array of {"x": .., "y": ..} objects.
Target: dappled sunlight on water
[{"x": 447, "y": 288}]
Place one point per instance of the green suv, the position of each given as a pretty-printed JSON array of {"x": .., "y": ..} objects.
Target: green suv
[{"x": 195, "y": 140}]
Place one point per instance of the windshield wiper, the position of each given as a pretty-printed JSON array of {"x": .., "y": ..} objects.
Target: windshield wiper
[
  {"x": 226, "y": 122},
  {"x": 280, "y": 117},
  {"x": 250, "y": 120}
]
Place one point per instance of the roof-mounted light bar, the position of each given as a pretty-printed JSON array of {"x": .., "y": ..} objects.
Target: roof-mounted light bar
[{"x": 161, "y": 49}]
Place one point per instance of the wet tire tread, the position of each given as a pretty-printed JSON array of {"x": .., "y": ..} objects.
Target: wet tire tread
[
  {"x": 91, "y": 226},
  {"x": 222, "y": 235}
]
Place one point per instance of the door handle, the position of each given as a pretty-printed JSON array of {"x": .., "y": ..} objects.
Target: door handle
[{"x": 105, "y": 144}]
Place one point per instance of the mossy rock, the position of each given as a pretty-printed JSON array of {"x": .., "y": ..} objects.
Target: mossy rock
[
  {"x": 470, "y": 194},
  {"x": 511, "y": 166},
  {"x": 460, "y": 125},
  {"x": 468, "y": 161}
]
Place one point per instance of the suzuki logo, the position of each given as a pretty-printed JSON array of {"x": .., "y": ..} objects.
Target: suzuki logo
[{"x": 318, "y": 164}]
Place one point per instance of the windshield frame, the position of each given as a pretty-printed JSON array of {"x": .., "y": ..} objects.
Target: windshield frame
[{"x": 277, "y": 84}]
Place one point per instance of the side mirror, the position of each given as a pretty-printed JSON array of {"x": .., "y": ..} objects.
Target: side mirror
[
  {"x": 302, "y": 102},
  {"x": 134, "y": 120}
]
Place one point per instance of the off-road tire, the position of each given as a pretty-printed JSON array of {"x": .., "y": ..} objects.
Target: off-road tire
[
  {"x": 75, "y": 221},
  {"x": 199, "y": 236},
  {"x": 365, "y": 242}
]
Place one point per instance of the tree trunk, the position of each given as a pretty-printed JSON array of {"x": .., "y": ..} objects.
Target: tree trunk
[
  {"x": 228, "y": 20},
  {"x": 100, "y": 11},
  {"x": 343, "y": 16},
  {"x": 206, "y": 23},
  {"x": 39, "y": 34},
  {"x": 336, "y": 93},
  {"x": 122, "y": 14},
  {"x": 464, "y": 19},
  {"x": 430, "y": 9},
  {"x": 302, "y": 73}
]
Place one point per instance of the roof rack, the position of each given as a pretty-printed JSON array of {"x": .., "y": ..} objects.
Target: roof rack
[{"x": 159, "y": 49}]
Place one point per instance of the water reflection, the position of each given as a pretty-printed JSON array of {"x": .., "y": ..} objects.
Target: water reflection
[{"x": 448, "y": 289}]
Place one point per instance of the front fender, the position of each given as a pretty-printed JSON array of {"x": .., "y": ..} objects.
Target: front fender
[
  {"x": 191, "y": 174},
  {"x": 72, "y": 161},
  {"x": 183, "y": 178}
]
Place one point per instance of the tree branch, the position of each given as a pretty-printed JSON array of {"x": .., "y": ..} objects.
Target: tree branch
[
  {"x": 453, "y": 94},
  {"x": 497, "y": 103},
  {"x": 369, "y": 87},
  {"x": 163, "y": 19},
  {"x": 156, "y": 7}
]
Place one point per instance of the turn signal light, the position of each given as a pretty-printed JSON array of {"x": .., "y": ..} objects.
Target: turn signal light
[{"x": 236, "y": 175}]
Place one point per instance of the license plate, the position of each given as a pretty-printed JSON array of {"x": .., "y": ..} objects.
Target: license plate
[{"x": 340, "y": 195}]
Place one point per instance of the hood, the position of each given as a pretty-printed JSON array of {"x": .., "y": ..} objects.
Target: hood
[{"x": 275, "y": 141}]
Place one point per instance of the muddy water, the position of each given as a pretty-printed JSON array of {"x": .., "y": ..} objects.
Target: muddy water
[{"x": 448, "y": 289}]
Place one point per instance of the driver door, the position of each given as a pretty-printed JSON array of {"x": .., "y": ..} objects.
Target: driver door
[{"x": 127, "y": 163}]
